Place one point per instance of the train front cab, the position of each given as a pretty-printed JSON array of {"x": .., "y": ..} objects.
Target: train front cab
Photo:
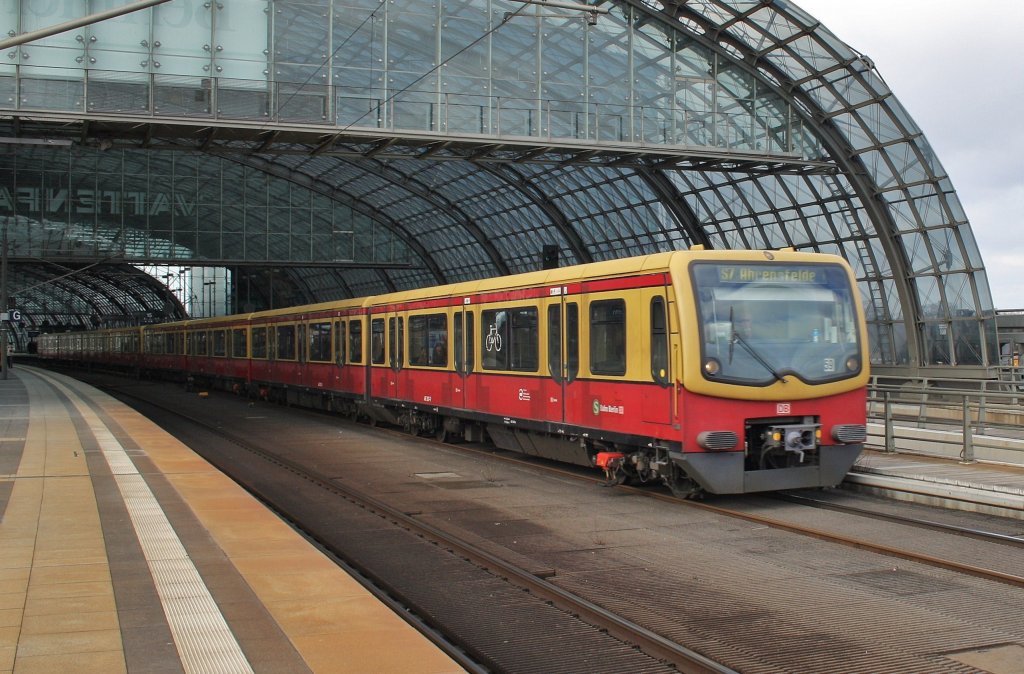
[{"x": 779, "y": 404}]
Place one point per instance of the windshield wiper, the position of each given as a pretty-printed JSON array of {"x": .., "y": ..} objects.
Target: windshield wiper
[{"x": 736, "y": 338}]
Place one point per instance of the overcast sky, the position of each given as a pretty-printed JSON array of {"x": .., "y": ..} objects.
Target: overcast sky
[{"x": 957, "y": 67}]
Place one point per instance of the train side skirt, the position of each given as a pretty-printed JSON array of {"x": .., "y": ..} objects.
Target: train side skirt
[{"x": 722, "y": 472}]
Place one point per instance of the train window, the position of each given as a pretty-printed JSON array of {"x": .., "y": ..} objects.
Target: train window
[
  {"x": 572, "y": 339},
  {"x": 608, "y": 337},
  {"x": 428, "y": 340},
  {"x": 396, "y": 341},
  {"x": 355, "y": 341},
  {"x": 457, "y": 329},
  {"x": 239, "y": 345},
  {"x": 259, "y": 343},
  {"x": 319, "y": 342},
  {"x": 201, "y": 340},
  {"x": 339, "y": 342},
  {"x": 470, "y": 337},
  {"x": 659, "y": 341},
  {"x": 285, "y": 338},
  {"x": 377, "y": 341},
  {"x": 510, "y": 339},
  {"x": 220, "y": 343},
  {"x": 494, "y": 327},
  {"x": 525, "y": 340},
  {"x": 555, "y": 341}
]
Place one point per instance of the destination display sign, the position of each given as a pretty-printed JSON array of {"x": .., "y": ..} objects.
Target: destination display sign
[{"x": 739, "y": 273}]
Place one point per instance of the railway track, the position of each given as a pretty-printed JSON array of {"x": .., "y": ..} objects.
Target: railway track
[
  {"x": 970, "y": 532},
  {"x": 671, "y": 602},
  {"x": 814, "y": 532},
  {"x": 657, "y": 648}
]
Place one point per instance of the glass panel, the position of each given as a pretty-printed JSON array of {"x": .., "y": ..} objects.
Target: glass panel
[
  {"x": 285, "y": 338},
  {"x": 239, "y": 344},
  {"x": 470, "y": 342},
  {"x": 659, "y": 341},
  {"x": 459, "y": 347},
  {"x": 219, "y": 343},
  {"x": 572, "y": 339},
  {"x": 319, "y": 335},
  {"x": 511, "y": 339},
  {"x": 355, "y": 341},
  {"x": 494, "y": 338},
  {"x": 608, "y": 337},
  {"x": 762, "y": 321},
  {"x": 428, "y": 340},
  {"x": 555, "y": 341}
]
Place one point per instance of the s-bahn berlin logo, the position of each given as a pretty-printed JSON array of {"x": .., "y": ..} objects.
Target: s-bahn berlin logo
[{"x": 607, "y": 409}]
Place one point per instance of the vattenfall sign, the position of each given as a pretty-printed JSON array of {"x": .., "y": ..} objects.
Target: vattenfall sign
[{"x": 84, "y": 201}]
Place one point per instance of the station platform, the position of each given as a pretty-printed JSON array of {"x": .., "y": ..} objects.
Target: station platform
[
  {"x": 990, "y": 488},
  {"x": 121, "y": 550}
]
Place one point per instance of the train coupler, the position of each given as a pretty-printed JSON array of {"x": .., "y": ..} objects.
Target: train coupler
[{"x": 611, "y": 463}]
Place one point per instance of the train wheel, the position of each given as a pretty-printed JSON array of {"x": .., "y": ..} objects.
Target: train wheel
[
  {"x": 441, "y": 433},
  {"x": 683, "y": 486}
]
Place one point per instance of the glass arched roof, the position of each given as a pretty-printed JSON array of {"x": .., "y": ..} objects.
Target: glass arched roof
[{"x": 412, "y": 142}]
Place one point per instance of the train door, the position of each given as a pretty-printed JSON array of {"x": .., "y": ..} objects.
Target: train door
[
  {"x": 387, "y": 353},
  {"x": 464, "y": 336},
  {"x": 377, "y": 372},
  {"x": 562, "y": 398},
  {"x": 396, "y": 354},
  {"x": 657, "y": 397}
]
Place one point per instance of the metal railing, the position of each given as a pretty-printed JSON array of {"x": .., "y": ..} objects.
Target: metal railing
[{"x": 954, "y": 418}]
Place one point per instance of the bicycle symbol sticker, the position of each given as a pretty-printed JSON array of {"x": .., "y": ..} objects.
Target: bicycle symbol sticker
[{"x": 493, "y": 340}]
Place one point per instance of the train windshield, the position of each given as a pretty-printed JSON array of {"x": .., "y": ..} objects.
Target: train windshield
[{"x": 766, "y": 322}]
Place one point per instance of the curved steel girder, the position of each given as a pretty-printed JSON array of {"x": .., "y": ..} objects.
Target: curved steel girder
[
  {"x": 541, "y": 201},
  {"x": 71, "y": 290},
  {"x": 100, "y": 285},
  {"x": 839, "y": 150},
  {"x": 68, "y": 291},
  {"x": 75, "y": 288},
  {"x": 402, "y": 181},
  {"x": 326, "y": 189},
  {"x": 670, "y": 198},
  {"x": 410, "y": 184}
]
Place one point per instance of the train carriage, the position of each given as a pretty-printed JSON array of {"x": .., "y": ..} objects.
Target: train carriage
[{"x": 717, "y": 371}]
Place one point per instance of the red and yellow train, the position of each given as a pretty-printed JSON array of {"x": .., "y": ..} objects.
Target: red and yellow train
[{"x": 716, "y": 371}]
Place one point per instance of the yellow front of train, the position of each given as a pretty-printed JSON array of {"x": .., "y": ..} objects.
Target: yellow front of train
[{"x": 773, "y": 369}]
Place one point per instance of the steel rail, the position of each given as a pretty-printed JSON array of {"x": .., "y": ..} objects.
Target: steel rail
[
  {"x": 891, "y": 551},
  {"x": 649, "y": 642},
  {"x": 922, "y": 523}
]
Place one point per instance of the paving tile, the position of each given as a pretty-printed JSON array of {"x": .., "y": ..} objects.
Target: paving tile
[
  {"x": 79, "y": 621},
  {"x": 70, "y": 573},
  {"x": 37, "y": 606},
  {"x": 10, "y": 617},
  {"x": 110, "y": 662},
  {"x": 11, "y": 600},
  {"x": 372, "y": 651},
  {"x": 72, "y": 590},
  {"x": 65, "y": 643}
]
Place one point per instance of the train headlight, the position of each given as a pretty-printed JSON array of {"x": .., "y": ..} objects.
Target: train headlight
[
  {"x": 712, "y": 367},
  {"x": 852, "y": 363}
]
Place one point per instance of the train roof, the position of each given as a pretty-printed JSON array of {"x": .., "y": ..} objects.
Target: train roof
[{"x": 654, "y": 262}]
